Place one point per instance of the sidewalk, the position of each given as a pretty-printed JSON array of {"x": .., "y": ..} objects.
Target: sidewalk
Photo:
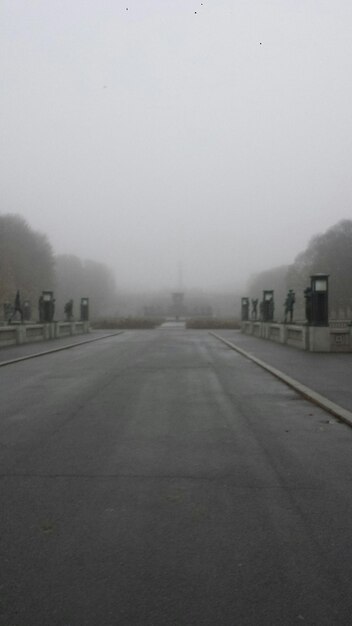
[
  {"x": 26, "y": 349},
  {"x": 328, "y": 374}
]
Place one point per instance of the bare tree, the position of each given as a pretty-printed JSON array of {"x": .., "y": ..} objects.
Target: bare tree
[
  {"x": 331, "y": 253},
  {"x": 76, "y": 278},
  {"x": 26, "y": 260}
]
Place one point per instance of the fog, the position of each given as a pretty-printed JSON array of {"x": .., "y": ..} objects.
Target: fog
[{"x": 211, "y": 136}]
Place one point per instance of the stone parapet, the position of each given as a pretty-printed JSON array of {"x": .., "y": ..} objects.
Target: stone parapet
[
  {"x": 12, "y": 334},
  {"x": 334, "y": 338}
]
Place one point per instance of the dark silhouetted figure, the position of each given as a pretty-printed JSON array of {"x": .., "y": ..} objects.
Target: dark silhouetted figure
[
  {"x": 289, "y": 304},
  {"x": 17, "y": 308},
  {"x": 308, "y": 297},
  {"x": 69, "y": 310},
  {"x": 254, "y": 308}
]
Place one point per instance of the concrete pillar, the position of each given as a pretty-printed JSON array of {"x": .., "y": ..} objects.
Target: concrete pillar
[{"x": 20, "y": 334}]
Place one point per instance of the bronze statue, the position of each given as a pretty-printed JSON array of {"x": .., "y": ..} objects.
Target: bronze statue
[
  {"x": 289, "y": 304},
  {"x": 254, "y": 308},
  {"x": 308, "y": 298},
  {"x": 69, "y": 310},
  {"x": 17, "y": 308}
]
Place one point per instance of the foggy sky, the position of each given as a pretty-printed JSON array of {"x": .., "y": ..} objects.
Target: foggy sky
[{"x": 157, "y": 136}]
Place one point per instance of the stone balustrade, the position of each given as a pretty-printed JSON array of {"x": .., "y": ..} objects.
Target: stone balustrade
[
  {"x": 336, "y": 337},
  {"x": 12, "y": 334}
]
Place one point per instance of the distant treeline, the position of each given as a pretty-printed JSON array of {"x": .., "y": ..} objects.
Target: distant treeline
[
  {"x": 330, "y": 253},
  {"x": 28, "y": 264}
]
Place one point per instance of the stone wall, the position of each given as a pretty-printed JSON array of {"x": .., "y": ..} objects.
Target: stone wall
[
  {"x": 337, "y": 337},
  {"x": 13, "y": 334}
]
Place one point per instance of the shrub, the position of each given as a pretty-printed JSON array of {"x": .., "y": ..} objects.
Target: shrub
[
  {"x": 211, "y": 323},
  {"x": 126, "y": 322}
]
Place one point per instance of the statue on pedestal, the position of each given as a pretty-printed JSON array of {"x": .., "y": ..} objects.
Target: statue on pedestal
[
  {"x": 289, "y": 304},
  {"x": 254, "y": 308},
  {"x": 69, "y": 310},
  {"x": 17, "y": 308}
]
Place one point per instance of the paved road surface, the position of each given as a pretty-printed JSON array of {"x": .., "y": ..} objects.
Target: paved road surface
[{"x": 158, "y": 478}]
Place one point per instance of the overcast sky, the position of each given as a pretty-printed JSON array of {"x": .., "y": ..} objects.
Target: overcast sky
[{"x": 153, "y": 133}]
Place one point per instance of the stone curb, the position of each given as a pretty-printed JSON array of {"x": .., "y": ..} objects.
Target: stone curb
[
  {"x": 59, "y": 349},
  {"x": 306, "y": 392}
]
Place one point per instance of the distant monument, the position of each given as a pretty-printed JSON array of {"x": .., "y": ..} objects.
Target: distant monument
[{"x": 178, "y": 307}]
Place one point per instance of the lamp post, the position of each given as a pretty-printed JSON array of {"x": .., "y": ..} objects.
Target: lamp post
[
  {"x": 268, "y": 305},
  {"x": 84, "y": 309},
  {"x": 320, "y": 299},
  {"x": 46, "y": 307},
  {"x": 244, "y": 309}
]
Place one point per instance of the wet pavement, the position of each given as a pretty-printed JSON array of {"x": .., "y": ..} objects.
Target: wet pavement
[{"x": 159, "y": 478}]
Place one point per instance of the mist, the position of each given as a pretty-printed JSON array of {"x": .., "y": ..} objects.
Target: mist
[{"x": 210, "y": 136}]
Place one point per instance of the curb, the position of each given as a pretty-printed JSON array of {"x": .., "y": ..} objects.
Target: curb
[
  {"x": 313, "y": 396},
  {"x": 59, "y": 349}
]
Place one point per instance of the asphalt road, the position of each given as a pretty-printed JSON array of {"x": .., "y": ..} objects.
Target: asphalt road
[{"x": 158, "y": 478}]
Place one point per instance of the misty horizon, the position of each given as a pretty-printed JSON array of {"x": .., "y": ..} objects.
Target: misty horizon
[{"x": 212, "y": 135}]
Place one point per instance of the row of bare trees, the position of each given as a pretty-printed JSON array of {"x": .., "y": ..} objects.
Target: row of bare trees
[
  {"x": 28, "y": 264},
  {"x": 26, "y": 260},
  {"x": 76, "y": 278}
]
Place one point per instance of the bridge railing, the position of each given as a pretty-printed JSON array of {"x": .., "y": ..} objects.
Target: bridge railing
[
  {"x": 337, "y": 337},
  {"x": 14, "y": 334}
]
